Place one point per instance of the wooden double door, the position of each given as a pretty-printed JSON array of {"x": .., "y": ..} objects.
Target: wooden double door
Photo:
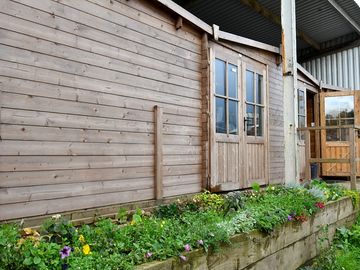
[{"x": 238, "y": 126}]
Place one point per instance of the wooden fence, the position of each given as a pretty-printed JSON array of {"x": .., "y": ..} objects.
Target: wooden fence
[{"x": 353, "y": 145}]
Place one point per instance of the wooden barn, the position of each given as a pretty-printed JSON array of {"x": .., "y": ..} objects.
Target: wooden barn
[{"x": 105, "y": 103}]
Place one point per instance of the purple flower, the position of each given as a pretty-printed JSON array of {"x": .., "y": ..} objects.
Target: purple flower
[
  {"x": 200, "y": 242},
  {"x": 65, "y": 252},
  {"x": 148, "y": 254},
  {"x": 187, "y": 248},
  {"x": 290, "y": 217},
  {"x": 183, "y": 258}
]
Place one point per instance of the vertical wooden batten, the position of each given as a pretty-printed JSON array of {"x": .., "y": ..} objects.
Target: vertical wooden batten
[
  {"x": 1, "y": 86},
  {"x": 212, "y": 139},
  {"x": 158, "y": 153},
  {"x": 307, "y": 155},
  {"x": 205, "y": 108}
]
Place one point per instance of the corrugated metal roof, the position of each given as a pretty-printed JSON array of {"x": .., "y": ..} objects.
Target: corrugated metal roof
[
  {"x": 237, "y": 19},
  {"x": 317, "y": 18}
]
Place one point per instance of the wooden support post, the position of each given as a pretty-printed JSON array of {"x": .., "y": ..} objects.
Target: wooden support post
[
  {"x": 352, "y": 134},
  {"x": 158, "y": 153},
  {"x": 307, "y": 155},
  {"x": 288, "y": 22}
]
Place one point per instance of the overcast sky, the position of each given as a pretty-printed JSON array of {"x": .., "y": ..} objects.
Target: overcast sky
[{"x": 358, "y": 1}]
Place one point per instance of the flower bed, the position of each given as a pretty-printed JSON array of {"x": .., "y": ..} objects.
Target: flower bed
[{"x": 204, "y": 222}]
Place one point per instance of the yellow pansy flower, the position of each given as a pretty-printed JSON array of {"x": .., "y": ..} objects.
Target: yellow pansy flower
[
  {"x": 86, "y": 249},
  {"x": 82, "y": 238}
]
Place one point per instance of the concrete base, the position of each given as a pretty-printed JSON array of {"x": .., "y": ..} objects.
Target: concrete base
[{"x": 288, "y": 247}]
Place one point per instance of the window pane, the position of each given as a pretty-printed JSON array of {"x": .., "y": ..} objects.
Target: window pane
[
  {"x": 250, "y": 117},
  {"x": 344, "y": 134},
  {"x": 250, "y": 86},
  {"x": 259, "y": 121},
  {"x": 220, "y": 115},
  {"x": 301, "y": 102},
  {"x": 220, "y": 77},
  {"x": 259, "y": 89},
  {"x": 339, "y": 111},
  {"x": 332, "y": 135},
  {"x": 232, "y": 80},
  {"x": 233, "y": 117},
  {"x": 301, "y": 121}
]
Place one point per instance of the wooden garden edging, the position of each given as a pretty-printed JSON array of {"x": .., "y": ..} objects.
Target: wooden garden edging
[{"x": 288, "y": 247}]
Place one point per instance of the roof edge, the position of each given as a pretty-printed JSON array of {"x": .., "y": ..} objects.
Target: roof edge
[{"x": 209, "y": 29}]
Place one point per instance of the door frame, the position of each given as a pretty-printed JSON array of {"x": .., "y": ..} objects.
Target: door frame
[{"x": 223, "y": 53}]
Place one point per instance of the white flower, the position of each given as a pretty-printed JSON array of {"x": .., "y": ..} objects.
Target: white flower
[{"x": 57, "y": 216}]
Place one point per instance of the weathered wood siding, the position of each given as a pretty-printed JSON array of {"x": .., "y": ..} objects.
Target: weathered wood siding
[{"x": 79, "y": 82}]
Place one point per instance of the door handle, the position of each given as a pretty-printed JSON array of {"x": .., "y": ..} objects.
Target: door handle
[{"x": 245, "y": 120}]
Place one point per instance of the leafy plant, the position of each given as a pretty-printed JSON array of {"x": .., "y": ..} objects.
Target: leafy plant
[{"x": 58, "y": 230}]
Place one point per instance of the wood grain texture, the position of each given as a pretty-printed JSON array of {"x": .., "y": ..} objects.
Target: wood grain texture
[{"x": 79, "y": 84}]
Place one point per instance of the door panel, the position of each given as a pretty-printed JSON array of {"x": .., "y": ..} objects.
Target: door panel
[
  {"x": 255, "y": 133},
  {"x": 335, "y": 143}
]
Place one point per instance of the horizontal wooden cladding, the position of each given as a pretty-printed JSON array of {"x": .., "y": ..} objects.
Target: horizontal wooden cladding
[
  {"x": 31, "y": 148},
  {"x": 57, "y": 16},
  {"x": 23, "y": 42},
  {"x": 29, "y": 102},
  {"x": 112, "y": 13},
  {"x": 143, "y": 12},
  {"x": 34, "y": 118},
  {"x": 26, "y": 72},
  {"x": 55, "y": 91},
  {"x": 58, "y": 134},
  {"x": 47, "y": 192},
  {"x": 44, "y": 207},
  {"x": 14, "y": 164},
  {"x": 46, "y": 27},
  {"x": 38, "y": 178},
  {"x": 84, "y": 47},
  {"x": 165, "y": 83},
  {"x": 71, "y": 189},
  {"x": 182, "y": 189}
]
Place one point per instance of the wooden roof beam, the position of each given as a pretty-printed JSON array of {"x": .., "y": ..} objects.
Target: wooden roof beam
[{"x": 266, "y": 13}]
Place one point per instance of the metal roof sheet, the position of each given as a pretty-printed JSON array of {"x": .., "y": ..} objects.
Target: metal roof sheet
[{"x": 317, "y": 18}]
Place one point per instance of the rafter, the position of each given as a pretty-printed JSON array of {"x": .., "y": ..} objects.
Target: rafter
[
  {"x": 347, "y": 17},
  {"x": 268, "y": 14}
]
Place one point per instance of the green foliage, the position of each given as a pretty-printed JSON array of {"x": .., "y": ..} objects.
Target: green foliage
[
  {"x": 58, "y": 230},
  {"x": 41, "y": 255},
  {"x": 332, "y": 192},
  {"x": 344, "y": 254},
  {"x": 9, "y": 237},
  {"x": 234, "y": 201},
  {"x": 256, "y": 187},
  {"x": 207, "y": 200},
  {"x": 354, "y": 195},
  {"x": 122, "y": 215}
]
